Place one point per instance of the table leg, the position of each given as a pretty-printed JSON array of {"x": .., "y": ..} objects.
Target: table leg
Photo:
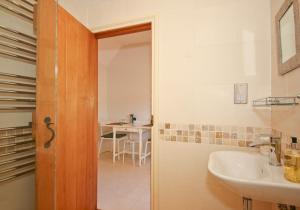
[
  {"x": 114, "y": 145},
  {"x": 118, "y": 150},
  {"x": 140, "y": 146}
]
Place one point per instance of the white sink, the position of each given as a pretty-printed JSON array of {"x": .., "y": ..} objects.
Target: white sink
[{"x": 250, "y": 175}]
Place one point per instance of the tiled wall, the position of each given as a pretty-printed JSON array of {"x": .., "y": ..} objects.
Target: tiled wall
[
  {"x": 210, "y": 134},
  {"x": 286, "y": 140},
  {"x": 216, "y": 134},
  {"x": 283, "y": 118}
]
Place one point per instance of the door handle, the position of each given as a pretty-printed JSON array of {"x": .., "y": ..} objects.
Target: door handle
[{"x": 48, "y": 122}]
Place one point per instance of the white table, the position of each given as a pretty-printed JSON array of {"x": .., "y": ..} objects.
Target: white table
[{"x": 128, "y": 128}]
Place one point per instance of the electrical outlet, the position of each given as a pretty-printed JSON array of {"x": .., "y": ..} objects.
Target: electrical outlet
[{"x": 241, "y": 93}]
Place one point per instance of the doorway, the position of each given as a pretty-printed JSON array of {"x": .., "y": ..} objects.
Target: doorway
[{"x": 125, "y": 117}]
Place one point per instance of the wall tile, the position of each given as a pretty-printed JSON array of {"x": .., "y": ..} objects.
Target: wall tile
[{"x": 211, "y": 134}]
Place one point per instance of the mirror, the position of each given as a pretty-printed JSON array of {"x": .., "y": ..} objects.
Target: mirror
[{"x": 288, "y": 36}]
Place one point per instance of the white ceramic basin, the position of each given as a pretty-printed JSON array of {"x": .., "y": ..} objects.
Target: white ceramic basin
[{"x": 250, "y": 175}]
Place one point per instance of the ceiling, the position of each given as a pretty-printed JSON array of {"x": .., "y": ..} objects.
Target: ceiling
[
  {"x": 110, "y": 47},
  {"x": 125, "y": 40}
]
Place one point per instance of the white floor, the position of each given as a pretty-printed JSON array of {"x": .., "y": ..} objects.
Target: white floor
[{"x": 123, "y": 187}]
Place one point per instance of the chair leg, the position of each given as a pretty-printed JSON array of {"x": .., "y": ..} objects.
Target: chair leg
[
  {"x": 132, "y": 152},
  {"x": 118, "y": 148},
  {"x": 124, "y": 148},
  {"x": 145, "y": 152},
  {"x": 100, "y": 146}
]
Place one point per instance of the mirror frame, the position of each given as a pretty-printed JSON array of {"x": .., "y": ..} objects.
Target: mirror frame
[{"x": 294, "y": 61}]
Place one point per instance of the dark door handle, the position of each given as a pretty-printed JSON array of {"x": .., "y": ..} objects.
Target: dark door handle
[{"x": 48, "y": 122}]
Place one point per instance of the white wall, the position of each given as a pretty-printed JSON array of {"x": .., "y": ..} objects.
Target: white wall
[
  {"x": 125, "y": 77},
  {"x": 285, "y": 119},
  {"x": 186, "y": 184},
  {"x": 204, "y": 47}
]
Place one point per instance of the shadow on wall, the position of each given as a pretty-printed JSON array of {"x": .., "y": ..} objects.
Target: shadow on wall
[
  {"x": 126, "y": 87},
  {"x": 228, "y": 198},
  {"x": 264, "y": 114}
]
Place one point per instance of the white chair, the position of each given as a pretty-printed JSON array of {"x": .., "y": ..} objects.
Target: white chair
[
  {"x": 131, "y": 143},
  {"x": 146, "y": 153},
  {"x": 108, "y": 135}
]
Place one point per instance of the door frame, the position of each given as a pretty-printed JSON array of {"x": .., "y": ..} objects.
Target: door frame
[{"x": 134, "y": 26}]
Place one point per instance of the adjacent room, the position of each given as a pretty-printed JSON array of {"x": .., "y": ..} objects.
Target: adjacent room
[{"x": 125, "y": 70}]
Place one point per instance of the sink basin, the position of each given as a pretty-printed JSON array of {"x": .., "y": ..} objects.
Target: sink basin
[{"x": 250, "y": 175}]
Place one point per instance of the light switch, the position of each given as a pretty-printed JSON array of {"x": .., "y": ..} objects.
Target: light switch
[{"x": 241, "y": 93}]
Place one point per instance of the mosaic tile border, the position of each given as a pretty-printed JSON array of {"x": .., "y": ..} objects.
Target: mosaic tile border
[
  {"x": 286, "y": 140},
  {"x": 210, "y": 134},
  {"x": 217, "y": 134}
]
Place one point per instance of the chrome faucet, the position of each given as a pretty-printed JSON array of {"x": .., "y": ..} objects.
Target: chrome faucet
[{"x": 275, "y": 148}]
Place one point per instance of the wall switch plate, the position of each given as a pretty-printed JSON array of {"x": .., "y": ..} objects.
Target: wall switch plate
[{"x": 241, "y": 93}]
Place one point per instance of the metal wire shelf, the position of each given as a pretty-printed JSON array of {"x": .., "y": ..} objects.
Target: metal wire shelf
[{"x": 275, "y": 101}]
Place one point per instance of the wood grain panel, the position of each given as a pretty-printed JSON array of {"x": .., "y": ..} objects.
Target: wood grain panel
[
  {"x": 45, "y": 102},
  {"x": 123, "y": 31},
  {"x": 76, "y": 144}
]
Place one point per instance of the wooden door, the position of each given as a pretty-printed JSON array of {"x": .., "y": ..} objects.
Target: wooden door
[
  {"x": 45, "y": 102},
  {"x": 67, "y": 169},
  {"x": 77, "y": 113}
]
